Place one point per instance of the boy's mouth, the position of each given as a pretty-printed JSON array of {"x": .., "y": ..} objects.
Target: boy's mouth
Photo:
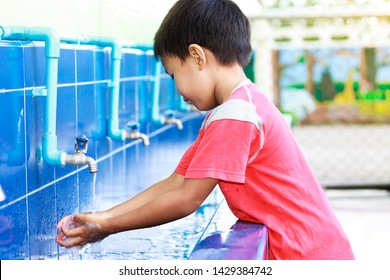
[{"x": 187, "y": 100}]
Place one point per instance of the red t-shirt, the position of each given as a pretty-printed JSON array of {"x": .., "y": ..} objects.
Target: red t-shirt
[{"x": 247, "y": 145}]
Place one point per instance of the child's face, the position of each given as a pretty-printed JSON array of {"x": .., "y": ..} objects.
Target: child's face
[{"x": 195, "y": 84}]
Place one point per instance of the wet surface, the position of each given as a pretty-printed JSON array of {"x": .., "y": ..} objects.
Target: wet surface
[{"x": 171, "y": 241}]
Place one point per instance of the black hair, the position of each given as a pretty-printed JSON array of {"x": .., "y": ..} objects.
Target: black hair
[{"x": 217, "y": 25}]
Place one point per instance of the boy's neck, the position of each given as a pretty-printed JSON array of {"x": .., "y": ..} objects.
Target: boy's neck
[{"x": 227, "y": 79}]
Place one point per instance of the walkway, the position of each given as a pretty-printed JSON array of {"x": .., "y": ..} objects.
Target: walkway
[{"x": 353, "y": 162}]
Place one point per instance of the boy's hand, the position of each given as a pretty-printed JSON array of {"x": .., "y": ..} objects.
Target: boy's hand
[{"x": 80, "y": 229}]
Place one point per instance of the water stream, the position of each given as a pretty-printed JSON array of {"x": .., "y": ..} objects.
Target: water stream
[{"x": 77, "y": 253}]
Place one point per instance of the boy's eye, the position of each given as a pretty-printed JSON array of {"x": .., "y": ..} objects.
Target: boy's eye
[{"x": 171, "y": 75}]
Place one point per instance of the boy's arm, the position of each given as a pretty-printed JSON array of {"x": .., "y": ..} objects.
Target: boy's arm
[
  {"x": 164, "y": 208},
  {"x": 172, "y": 182},
  {"x": 157, "y": 205}
]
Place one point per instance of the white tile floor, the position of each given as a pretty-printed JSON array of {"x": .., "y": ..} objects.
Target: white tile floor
[
  {"x": 365, "y": 217},
  {"x": 354, "y": 155}
]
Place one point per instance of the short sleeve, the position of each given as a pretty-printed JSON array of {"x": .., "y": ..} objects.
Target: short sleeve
[
  {"x": 224, "y": 151},
  {"x": 187, "y": 157}
]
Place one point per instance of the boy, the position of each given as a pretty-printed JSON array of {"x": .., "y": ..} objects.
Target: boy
[{"x": 244, "y": 146}]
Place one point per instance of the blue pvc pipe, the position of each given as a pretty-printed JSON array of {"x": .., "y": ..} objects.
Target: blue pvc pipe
[
  {"x": 52, "y": 52},
  {"x": 156, "y": 82},
  {"x": 113, "y": 122},
  {"x": 156, "y": 92},
  {"x": 142, "y": 47},
  {"x": 114, "y": 131}
]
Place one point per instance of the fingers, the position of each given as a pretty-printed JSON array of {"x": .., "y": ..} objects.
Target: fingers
[
  {"x": 70, "y": 242},
  {"x": 63, "y": 221},
  {"x": 80, "y": 219},
  {"x": 69, "y": 232},
  {"x": 71, "y": 237},
  {"x": 74, "y": 231},
  {"x": 60, "y": 235},
  {"x": 79, "y": 229}
]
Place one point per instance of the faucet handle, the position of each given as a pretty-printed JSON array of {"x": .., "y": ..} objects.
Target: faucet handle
[
  {"x": 133, "y": 125},
  {"x": 169, "y": 114},
  {"x": 81, "y": 145}
]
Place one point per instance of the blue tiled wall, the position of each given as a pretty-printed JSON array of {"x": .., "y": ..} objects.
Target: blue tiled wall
[{"x": 36, "y": 194}]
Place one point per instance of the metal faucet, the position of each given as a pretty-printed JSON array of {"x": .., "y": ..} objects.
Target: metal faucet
[
  {"x": 79, "y": 157},
  {"x": 133, "y": 133},
  {"x": 169, "y": 118}
]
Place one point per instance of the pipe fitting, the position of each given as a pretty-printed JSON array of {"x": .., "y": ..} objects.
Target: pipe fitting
[
  {"x": 114, "y": 131},
  {"x": 52, "y": 52},
  {"x": 34, "y": 33}
]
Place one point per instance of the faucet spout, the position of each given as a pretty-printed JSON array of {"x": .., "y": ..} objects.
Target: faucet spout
[
  {"x": 174, "y": 121},
  {"x": 133, "y": 133},
  {"x": 169, "y": 118},
  {"x": 79, "y": 157}
]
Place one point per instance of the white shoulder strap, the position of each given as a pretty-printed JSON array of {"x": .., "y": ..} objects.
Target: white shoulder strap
[
  {"x": 241, "y": 110},
  {"x": 235, "y": 109}
]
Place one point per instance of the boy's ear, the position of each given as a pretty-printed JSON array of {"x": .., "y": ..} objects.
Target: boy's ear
[{"x": 197, "y": 53}]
